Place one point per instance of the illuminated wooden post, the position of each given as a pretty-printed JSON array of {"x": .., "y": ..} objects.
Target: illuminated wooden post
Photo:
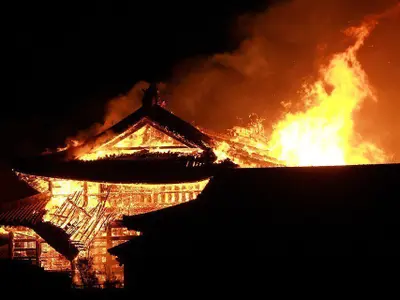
[
  {"x": 11, "y": 245},
  {"x": 102, "y": 193},
  {"x": 85, "y": 193},
  {"x": 108, "y": 255},
  {"x": 159, "y": 197},
  {"x": 38, "y": 252},
  {"x": 73, "y": 271}
]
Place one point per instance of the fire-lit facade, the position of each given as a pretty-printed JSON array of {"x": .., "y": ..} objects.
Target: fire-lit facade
[
  {"x": 89, "y": 212},
  {"x": 152, "y": 161}
]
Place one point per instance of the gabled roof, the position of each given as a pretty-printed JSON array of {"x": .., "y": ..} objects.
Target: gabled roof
[
  {"x": 25, "y": 212},
  {"x": 157, "y": 117},
  {"x": 141, "y": 167}
]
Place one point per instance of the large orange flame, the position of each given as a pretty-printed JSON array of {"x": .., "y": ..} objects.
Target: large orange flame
[{"x": 324, "y": 133}]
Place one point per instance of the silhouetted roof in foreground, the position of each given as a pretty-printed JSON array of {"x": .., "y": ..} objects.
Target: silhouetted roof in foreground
[
  {"x": 122, "y": 171},
  {"x": 25, "y": 212},
  {"x": 20, "y": 277},
  {"x": 12, "y": 188},
  {"x": 280, "y": 210}
]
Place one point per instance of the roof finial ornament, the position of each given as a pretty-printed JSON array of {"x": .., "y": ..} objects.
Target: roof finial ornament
[{"x": 151, "y": 96}]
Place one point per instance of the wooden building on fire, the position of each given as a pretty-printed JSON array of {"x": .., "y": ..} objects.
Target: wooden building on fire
[{"x": 150, "y": 160}]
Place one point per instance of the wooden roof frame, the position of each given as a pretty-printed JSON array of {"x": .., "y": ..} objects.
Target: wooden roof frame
[
  {"x": 155, "y": 116},
  {"x": 142, "y": 123}
]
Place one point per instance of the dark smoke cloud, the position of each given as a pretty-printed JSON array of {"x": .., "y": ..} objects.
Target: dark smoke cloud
[
  {"x": 282, "y": 49},
  {"x": 117, "y": 109}
]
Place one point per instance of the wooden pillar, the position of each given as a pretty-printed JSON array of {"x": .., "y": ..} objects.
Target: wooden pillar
[
  {"x": 50, "y": 187},
  {"x": 102, "y": 192},
  {"x": 38, "y": 251},
  {"x": 108, "y": 255},
  {"x": 73, "y": 271},
  {"x": 11, "y": 245},
  {"x": 85, "y": 193}
]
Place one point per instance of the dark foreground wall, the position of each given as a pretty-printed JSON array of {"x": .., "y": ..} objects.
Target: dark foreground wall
[
  {"x": 248, "y": 221},
  {"x": 18, "y": 278}
]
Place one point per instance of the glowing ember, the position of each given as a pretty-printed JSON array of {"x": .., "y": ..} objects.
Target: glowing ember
[{"x": 222, "y": 151}]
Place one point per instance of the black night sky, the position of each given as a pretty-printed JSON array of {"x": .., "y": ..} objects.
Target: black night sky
[
  {"x": 68, "y": 61},
  {"x": 71, "y": 59}
]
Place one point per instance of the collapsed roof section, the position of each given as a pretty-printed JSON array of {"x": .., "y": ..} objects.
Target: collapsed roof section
[
  {"x": 69, "y": 229},
  {"x": 29, "y": 212}
]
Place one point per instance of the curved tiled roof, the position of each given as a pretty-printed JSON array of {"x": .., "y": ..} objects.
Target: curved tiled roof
[{"x": 25, "y": 212}]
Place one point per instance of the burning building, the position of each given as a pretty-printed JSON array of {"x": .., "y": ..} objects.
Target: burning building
[{"x": 150, "y": 160}]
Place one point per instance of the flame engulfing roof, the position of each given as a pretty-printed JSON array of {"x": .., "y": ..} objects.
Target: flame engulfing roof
[
  {"x": 139, "y": 165},
  {"x": 158, "y": 117}
]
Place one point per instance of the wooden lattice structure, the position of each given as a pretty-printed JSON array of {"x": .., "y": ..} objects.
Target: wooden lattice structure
[
  {"x": 79, "y": 221},
  {"x": 157, "y": 160}
]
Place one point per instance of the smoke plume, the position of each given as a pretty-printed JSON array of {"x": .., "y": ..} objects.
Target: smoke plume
[
  {"x": 116, "y": 109},
  {"x": 282, "y": 49}
]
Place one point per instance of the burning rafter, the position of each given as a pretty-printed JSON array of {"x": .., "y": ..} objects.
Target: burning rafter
[
  {"x": 243, "y": 154},
  {"x": 155, "y": 117},
  {"x": 80, "y": 221}
]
